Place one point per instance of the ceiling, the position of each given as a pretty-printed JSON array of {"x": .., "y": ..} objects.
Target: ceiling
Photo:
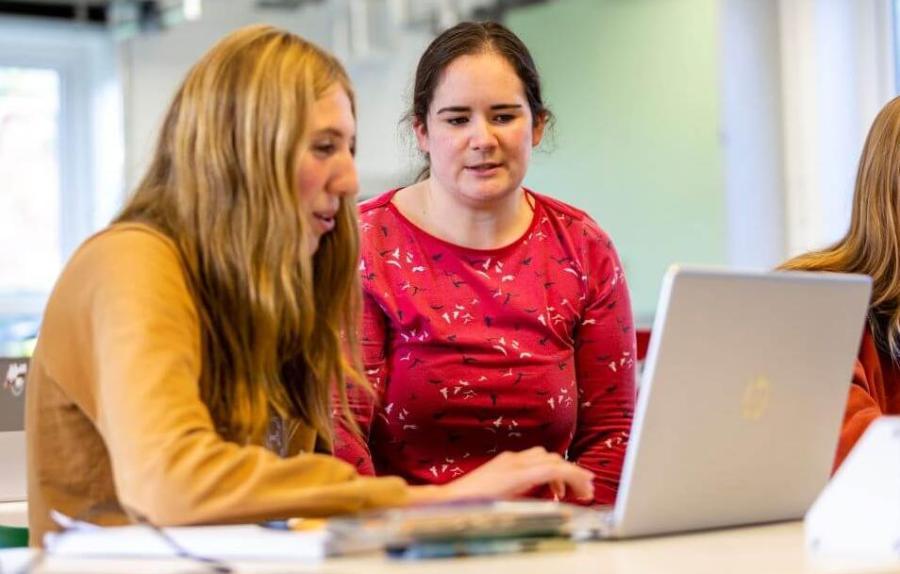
[{"x": 129, "y": 17}]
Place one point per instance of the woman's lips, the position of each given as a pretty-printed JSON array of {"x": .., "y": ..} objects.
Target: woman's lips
[
  {"x": 325, "y": 222},
  {"x": 484, "y": 169}
]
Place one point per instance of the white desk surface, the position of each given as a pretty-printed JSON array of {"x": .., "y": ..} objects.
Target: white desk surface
[{"x": 774, "y": 548}]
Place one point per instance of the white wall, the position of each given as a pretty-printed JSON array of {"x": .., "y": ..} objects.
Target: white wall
[
  {"x": 155, "y": 64},
  {"x": 751, "y": 138},
  {"x": 386, "y": 149},
  {"x": 801, "y": 82},
  {"x": 836, "y": 73}
]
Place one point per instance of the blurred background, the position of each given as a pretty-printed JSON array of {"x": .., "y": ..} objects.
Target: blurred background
[{"x": 714, "y": 132}]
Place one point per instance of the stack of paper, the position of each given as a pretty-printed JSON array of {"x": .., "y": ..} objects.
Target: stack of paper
[{"x": 238, "y": 542}]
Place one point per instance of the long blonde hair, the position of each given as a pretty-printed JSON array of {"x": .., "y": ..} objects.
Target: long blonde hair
[
  {"x": 872, "y": 244},
  {"x": 221, "y": 186}
]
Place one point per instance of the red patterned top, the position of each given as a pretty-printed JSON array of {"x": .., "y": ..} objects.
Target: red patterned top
[
  {"x": 875, "y": 392},
  {"x": 474, "y": 352}
]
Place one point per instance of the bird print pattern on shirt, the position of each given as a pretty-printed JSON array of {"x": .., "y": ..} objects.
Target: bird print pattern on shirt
[{"x": 474, "y": 352}]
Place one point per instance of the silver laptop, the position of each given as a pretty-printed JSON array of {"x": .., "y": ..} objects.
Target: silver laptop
[
  {"x": 741, "y": 401},
  {"x": 12, "y": 429}
]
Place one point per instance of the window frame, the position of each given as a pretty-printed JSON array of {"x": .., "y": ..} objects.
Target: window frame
[{"x": 91, "y": 138}]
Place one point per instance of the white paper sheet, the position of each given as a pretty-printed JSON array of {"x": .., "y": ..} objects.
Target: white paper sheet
[{"x": 238, "y": 542}]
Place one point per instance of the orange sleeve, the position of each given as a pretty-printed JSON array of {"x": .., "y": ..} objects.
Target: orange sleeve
[{"x": 168, "y": 461}]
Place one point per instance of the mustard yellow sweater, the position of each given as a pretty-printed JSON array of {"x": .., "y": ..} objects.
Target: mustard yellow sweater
[{"x": 114, "y": 415}]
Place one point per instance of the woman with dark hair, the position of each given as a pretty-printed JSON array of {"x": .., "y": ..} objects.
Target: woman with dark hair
[
  {"x": 495, "y": 318},
  {"x": 871, "y": 247},
  {"x": 189, "y": 351}
]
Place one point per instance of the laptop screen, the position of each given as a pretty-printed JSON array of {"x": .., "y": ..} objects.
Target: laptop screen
[
  {"x": 12, "y": 394},
  {"x": 12, "y": 428}
]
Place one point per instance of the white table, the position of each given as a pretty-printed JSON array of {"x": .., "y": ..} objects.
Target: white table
[{"x": 761, "y": 549}]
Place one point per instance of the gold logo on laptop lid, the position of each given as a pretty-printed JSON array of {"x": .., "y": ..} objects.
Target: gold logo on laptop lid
[{"x": 756, "y": 398}]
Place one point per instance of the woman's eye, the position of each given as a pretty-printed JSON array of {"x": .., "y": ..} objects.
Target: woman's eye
[
  {"x": 324, "y": 148},
  {"x": 457, "y": 121},
  {"x": 504, "y": 118}
]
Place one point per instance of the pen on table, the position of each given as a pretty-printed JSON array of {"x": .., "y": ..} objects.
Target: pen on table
[{"x": 293, "y": 524}]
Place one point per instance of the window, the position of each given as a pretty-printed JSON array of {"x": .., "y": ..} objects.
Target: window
[
  {"x": 60, "y": 159},
  {"x": 29, "y": 169}
]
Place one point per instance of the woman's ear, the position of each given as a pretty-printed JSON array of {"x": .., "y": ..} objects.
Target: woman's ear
[
  {"x": 421, "y": 131},
  {"x": 537, "y": 130}
]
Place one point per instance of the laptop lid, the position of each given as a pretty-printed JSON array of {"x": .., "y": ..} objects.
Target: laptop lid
[
  {"x": 742, "y": 398},
  {"x": 12, "y": 429}
]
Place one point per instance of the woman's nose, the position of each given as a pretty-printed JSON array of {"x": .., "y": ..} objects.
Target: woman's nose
[
  {"x": 482, "y": 136},
  {"x": 346, "y": 180}
]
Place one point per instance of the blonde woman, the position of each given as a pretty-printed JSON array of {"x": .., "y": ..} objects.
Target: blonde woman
[
  {"x": 872, "y": 246},
  {"x": 188, "y": 351}
]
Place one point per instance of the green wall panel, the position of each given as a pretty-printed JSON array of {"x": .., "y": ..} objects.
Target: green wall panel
[{"x": 634, "y": 86}]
